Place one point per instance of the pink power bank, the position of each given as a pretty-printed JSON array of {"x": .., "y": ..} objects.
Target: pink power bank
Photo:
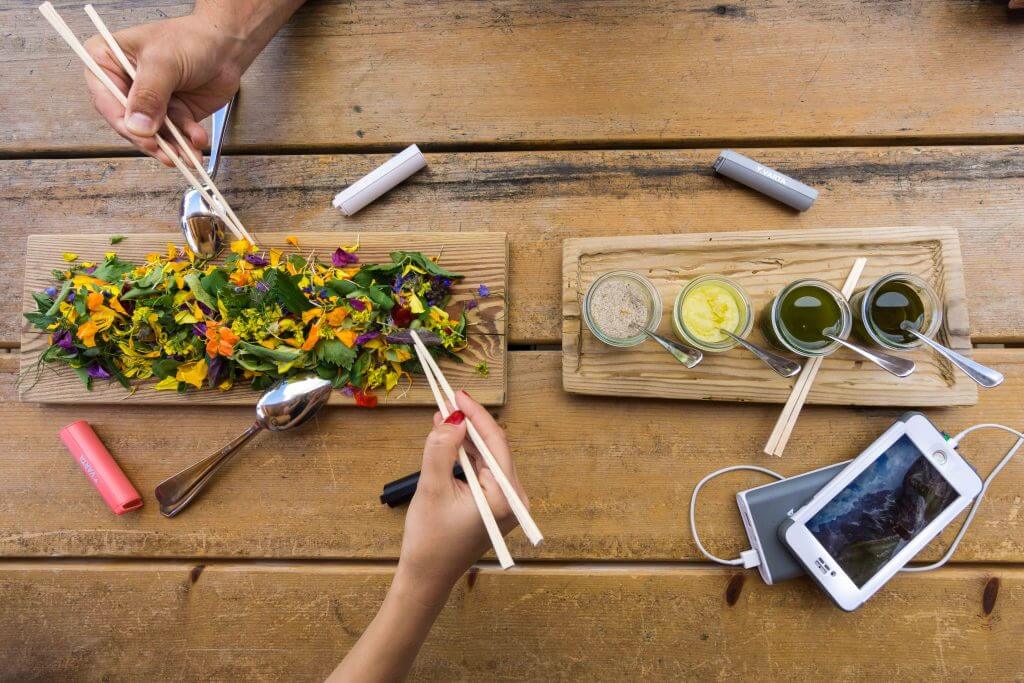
[{"x": 95, "y": 460}]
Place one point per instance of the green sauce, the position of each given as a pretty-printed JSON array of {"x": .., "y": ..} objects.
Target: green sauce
[
  {"x": 805, "y": 312},
  {"x": 894, "y": 303}
]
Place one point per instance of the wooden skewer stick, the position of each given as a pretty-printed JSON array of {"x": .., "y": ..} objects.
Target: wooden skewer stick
[
  {"x": 184, "y": 144},
  {"x": 51, "y": 15},
  {"x": 493, "y": 532},
  {"x": 518, "y": 508},
  {"x": 802, "y": 387}
]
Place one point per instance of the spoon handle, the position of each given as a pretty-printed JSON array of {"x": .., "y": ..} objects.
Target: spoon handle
[
  {"x": 220, "y": 124},
  {"x": 901, "y": 367},
  {"x": 782, "y": 366},
  {"x": 178, "y": 491},
  {"x": 983, "y": 375}
]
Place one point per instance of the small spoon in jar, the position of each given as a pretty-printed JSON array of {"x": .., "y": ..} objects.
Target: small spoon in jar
[
  {"x": 901, "y": 367},
  {"x": 686, "y": 355},
  {"x": 782, "y": 366},
  {"x": 983, "y": 375}
]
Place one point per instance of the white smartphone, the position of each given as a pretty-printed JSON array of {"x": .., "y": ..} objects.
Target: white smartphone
[{"x": 875, "y": 515}]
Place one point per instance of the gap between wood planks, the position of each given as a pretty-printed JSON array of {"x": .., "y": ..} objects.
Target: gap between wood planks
[{"x": 541, "y": 145}]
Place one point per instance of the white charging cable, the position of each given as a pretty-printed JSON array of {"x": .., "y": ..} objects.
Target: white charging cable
[
  {"x": 750, "y": 559},
  {"x": 954, "y": 442}
]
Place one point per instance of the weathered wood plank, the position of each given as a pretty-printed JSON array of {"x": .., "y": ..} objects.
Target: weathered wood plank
[
  {"x": 608, "y": 479},
  {"x": 257, "y": 622},
  {"x": 541, "y": 198},
  {"x": 762, "y": 263},
  {"x": 598, "y": 73},
  {"x": 481, "y": 258}
]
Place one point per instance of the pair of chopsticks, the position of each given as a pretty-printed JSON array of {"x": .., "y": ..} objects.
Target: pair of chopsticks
[
  {"x": 207, "y": 188},
  {"x": 435, "y": 377},
  {"x": 791, "y": 411}
]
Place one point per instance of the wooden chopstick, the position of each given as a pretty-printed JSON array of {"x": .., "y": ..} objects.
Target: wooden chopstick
[
  {"x": 493, "y": 532},
  {"x": 802, "y": 387},
  {"x": 185, "y": 145},
  {"x": 55, "y": 20},
  {"x": 518, "y": 508}
]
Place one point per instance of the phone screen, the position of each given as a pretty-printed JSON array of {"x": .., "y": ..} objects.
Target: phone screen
[{"x": 881, "y": 511}]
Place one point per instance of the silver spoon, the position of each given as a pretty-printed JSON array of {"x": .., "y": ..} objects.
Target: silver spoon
[
  {"x": 204, "y": 230},
  {"x": 901, "y": 367},
  {"x": 686, "y": 355},
  {"x": 780, "y": 364},
  {"x": 286, "y": 405},
  {"x": 983, "y": 375}
]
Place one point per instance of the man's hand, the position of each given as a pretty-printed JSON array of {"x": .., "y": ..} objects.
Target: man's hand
[{"x": 187, "y": 68}]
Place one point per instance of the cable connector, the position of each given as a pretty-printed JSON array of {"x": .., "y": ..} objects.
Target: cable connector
[{"x": 750, "y": 559}]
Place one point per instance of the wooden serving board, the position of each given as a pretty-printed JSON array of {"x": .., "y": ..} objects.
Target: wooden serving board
[
  {"x": 481, "y": 257},
  {"x": 763, "y": 263}
]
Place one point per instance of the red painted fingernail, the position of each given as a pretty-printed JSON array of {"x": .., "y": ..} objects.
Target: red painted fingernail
[
  {"x": 455, "y": 418},
  {"x": 467, "y": 393}
]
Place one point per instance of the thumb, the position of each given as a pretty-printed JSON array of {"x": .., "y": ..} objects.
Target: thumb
[
  {"x": 148, "y": 97},
  {"x": 441, "y": 451}
]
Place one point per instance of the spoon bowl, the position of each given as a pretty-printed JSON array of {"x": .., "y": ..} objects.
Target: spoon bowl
[
  {"x": 983, "y": 375},
  {"x": 286, "y": 405},
  {"x": 688, "y": 356},
  {"x": 202, "y": 227}
]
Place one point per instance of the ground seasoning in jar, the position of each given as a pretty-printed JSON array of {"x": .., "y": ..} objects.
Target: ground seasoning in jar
[{"x": 620, "y": 308}]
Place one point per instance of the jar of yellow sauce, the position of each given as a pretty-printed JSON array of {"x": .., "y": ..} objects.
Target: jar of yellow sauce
[{"x": 706, "y": 306}]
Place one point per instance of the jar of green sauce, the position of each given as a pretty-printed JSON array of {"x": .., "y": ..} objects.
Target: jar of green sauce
[
  {"x": 799, "y": 316},
  {"x": 882, "y": 308}
]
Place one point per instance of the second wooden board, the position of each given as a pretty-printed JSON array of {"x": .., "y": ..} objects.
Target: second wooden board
[
  {"x": 763, "y": 263},
  {"x": 482, "y": 258}
]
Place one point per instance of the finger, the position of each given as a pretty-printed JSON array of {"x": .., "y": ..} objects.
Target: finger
[
  {"x": 155, "y": 80},
  {"x": 438, "y": 419},
  {"x": 491, "y": 432},
  {"x": 496, "y": 501},
  {"x": 183, "y": 118},
  {"x": 440, "y": 453}
]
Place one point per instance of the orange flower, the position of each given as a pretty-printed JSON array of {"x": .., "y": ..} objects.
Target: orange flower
[
  {"x": 240, "y": 278},
  {"x": 312, "y": 339},
  {"x": 220, "y": 340},
  {"x": 292, "y": 240},
  {"x": 87, "y": 333},
  {"x": 94, "y": 300},
  {"x": 337, "y": 316},
  {"x": 347, "y": 337}
]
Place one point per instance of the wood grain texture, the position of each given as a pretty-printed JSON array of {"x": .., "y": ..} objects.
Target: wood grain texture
[
  {"x": 482, "y": 258},
  {"x": 762, "y": 263},
  {"x": 544, "y": 197},
  {"x": 187, "y": 621},
  {"x": 582, "y": 460},
  {"x": 346, "y": 74}
]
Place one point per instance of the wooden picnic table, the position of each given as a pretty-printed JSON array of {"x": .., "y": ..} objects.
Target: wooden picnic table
[{"x": 543, "y": 120}]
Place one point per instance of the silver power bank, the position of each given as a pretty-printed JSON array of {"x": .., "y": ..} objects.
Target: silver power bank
[{"x": 765, "y": 180}]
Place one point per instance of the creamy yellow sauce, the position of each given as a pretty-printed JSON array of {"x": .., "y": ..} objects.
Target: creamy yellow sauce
[{"x": 706, "y": 309}]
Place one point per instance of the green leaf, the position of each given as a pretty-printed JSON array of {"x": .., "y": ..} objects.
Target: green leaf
[
  {"x": 420, "y": 260},
  {"x": 358, "y": 368},
  {"x": 64, "y": 289},
  {"x": 283, "y": 354},
  {"x": 380, "y": 297},
  {"x": 285, "y": 289},
  {"x": 83, "y": 375},
  {"x": 40, "y": 320},
  {"x": 333, "y": 352},
  {"x": 136, "y": 292},
  {"x": 112, "y": 269},
  {"x": 341, "y": 287},
  {"x": 43, "y": 302},
  {"x": 196, "y": 286},
  {"x": 165, "y": 367},
  {"x": 214, "y": 282},
  {"x": 116, "y": 239}
]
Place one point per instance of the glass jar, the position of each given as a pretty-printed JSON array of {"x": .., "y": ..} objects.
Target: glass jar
[
  {"x": 881, "y": 307},
  {"x": 651, "y": 299},
  {"x": 794, "y": 319},
  {"x": 741, "y": 328}
]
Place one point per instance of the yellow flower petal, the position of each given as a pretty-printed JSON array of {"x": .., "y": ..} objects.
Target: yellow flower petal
[
  {"x": 241, "y": 247},
  {"x": 70, "y": 256},
  {"x": 292, "y": 240},
  {"x": 167, "y": 384},
  {"x": 193, "y": 373}
]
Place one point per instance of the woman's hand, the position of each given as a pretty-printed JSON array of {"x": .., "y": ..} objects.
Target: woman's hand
[
  {"x": 187, "y": 67},
  {"x": 444, "y": 534}
]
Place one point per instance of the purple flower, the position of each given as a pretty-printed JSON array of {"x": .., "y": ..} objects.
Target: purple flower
[
  {"x": 262, "y": 286},
  {"x": 71, "y": 297},
  {"x": 366, "y": 336},
  {"x": 341, "y": 258},
  {"x": 199, "y": 329},
  {"x": 204, "y": 308},
  {"x": 96, "y": 370},
  {"x": 257, "y": 260},
  {"x": 483, "y": 291},
  {"x": 50, "y": 292},
  {"x": 347, "y": 390},
  {"x": 63, "y": 339},
  {"x": 218, "y": 371},
  {"x": 357, "y": 305},
  {"x": 396, "y": 286},
  {"x": 470, "y": 305},
  {"x": 90, "y": 270}
]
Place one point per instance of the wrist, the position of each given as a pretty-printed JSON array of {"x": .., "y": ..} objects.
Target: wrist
[
  {"x": 420, "y": 588},
  {"x": 242, "y": 28}
]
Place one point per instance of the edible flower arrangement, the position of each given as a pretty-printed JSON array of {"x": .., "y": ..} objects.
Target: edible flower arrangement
[{"x": 261, "y": 316}]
